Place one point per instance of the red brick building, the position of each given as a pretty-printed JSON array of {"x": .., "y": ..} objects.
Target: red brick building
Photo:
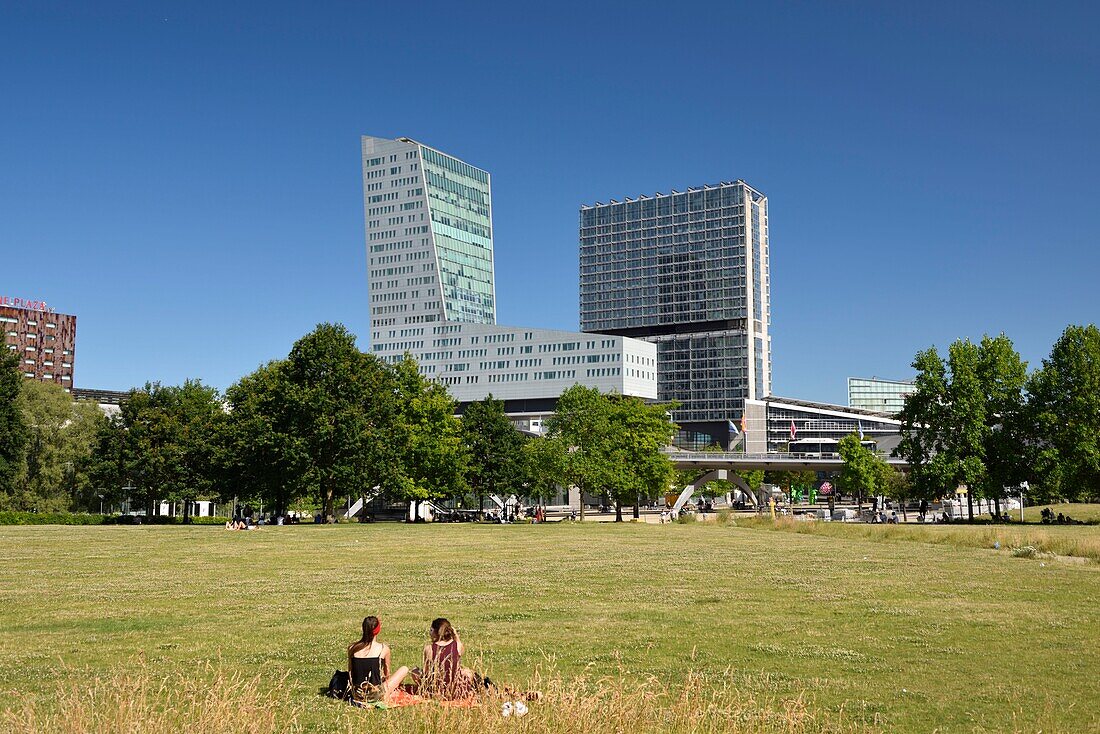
[{"x": 44, "y": 340}]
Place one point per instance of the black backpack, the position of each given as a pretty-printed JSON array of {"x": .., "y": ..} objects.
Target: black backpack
[{"x": 340, "y": 685}]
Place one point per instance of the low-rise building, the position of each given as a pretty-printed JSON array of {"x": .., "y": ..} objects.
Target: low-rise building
[{"x": 786, "y": 425}]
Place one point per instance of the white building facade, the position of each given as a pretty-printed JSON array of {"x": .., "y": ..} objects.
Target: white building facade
[{"x": 432, "y": 291}]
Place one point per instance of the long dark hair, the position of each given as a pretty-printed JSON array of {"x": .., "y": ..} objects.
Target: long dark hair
[
  {"x": 370, "y": 624},
  {"x": 442, "y": 631}
]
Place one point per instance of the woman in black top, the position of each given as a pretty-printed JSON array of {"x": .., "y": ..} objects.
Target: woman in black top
[{"x": 369, "y": 665}]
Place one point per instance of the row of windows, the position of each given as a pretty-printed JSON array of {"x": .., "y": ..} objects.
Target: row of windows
[
  {"x": 727, "y": 195},
  {"x": 46, "y": 363},
  {"x": 587, "y": 359},
  {"x": 30, "y": 322},
  {"x": 453, "y": 165}
]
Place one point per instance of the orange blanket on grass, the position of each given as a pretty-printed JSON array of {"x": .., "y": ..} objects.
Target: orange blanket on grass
[{"x": 400, "y": 698}]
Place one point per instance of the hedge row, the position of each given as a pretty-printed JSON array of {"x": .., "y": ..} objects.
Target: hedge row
[{"x": 66, "y": 518}]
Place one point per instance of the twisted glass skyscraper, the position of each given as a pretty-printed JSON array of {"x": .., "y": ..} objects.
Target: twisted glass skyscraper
[
  {"x": 688, "y": 271},
  {"x": 429, "y": 233}
]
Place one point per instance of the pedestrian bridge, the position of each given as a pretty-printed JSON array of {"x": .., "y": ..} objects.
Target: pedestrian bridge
[
  {"x": 768, "y": 462},
  {"x": 732, "y": 464}
]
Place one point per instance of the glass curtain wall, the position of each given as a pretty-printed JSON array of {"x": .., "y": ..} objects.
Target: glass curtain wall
[{"x": 462, "y": 229}]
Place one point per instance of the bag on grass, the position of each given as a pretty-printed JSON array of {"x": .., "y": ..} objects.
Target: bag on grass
[{"x": 339, "y": 685}]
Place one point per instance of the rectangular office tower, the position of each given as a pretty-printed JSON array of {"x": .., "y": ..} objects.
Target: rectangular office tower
[
  {"x": 687, "y": 271},
  {"x": 432, "y": 295}
]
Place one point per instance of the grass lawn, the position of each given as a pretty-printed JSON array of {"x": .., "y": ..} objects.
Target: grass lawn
[
  {"x": 1082, "y": 511},
  {"x": 743, "y": 629}
]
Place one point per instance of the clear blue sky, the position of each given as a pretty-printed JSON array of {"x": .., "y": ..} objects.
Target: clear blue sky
[{"x": 185, "y": 176}]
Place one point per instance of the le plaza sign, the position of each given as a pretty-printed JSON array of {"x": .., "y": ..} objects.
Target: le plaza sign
[{"x": 25, "y": 304}]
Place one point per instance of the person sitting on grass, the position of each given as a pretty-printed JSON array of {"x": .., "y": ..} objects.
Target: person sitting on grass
[
  {"x": 443, "y": 675},
  {"x": 369, "y": 666}
]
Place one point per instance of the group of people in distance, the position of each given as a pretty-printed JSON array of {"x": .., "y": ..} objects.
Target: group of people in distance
[{"x": 441, "y": 675}]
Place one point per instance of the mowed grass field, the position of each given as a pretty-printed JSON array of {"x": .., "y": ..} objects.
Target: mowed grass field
[{"x": 625, "y": 627}]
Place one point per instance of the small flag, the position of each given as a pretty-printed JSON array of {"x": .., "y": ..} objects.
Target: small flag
[
  {"x": 860, "y": 424},
  {"x": 793, "y": 429},
  {"x": 733, "y": 428},
  {"x": 743, "y": 423}
]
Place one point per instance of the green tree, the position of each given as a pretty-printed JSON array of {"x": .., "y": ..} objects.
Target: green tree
[
  {"x": 198, "y": 414},
  {"x": 106, "y": 467},
  {"x": 1064, "y": 411},
  {"x": 894, "y": 484},
  {"x": 429, "y": 439},
  {"x": 963, "y": 425},
  {"x": 923, "y": 421},
  {"x": 638, "y": 432},
  {"x": 754, "y": 479},
  {"x": 965, "y": 439},
  {"x": 257, "y": 453},
  {"x": 61, "y": 434},
  {"x": 861, "y": 472},
  {"x": 543, "y": 466},
  {"x": 161, "y": 445},
  {"x": 327, "y": 389},
  {"x": 1003, "y": 376},
  {"x": 495, "y": 450},
  {"x": 582, "y": 422},
  {"x": 13, "y": 428}
]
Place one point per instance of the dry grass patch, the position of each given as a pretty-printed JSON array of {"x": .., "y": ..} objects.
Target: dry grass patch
[
  {"x": 217, "y": 702},
  {"x": 1076, "y": 541}
]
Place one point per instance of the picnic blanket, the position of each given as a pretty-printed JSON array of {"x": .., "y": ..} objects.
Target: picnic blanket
[{"x": 401, "y": 698}]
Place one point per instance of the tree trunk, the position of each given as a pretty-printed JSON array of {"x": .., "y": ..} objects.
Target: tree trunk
[
  {"x": 186, "y": 511},
  {"x": 859, "y": 501},
  {"x": 997, "y": 506},
  {"x": 970, "y": 504},
  {"x": 328, "y": 505},
  {"x": 580, "y": 495},
  {"x": 903, "y": 515},
  {"x": 618, "y": 511},
  {"x": 637, "y": 510}
]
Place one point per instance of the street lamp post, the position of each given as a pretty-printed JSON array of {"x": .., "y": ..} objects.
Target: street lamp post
[{"x": 100, "y": 504}]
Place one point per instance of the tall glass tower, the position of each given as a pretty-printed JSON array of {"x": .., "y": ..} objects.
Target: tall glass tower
[
  {"x": 429, "y": 237},
  {"x": 688, "y": 271}
]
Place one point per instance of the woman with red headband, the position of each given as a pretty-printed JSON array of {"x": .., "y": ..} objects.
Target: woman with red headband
[{"x": 369, "y": 666}]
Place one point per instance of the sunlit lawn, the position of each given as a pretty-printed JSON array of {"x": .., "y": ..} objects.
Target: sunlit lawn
[
  {"x": 1077, "y": 511},
  {"x": 902, "y": 636}
]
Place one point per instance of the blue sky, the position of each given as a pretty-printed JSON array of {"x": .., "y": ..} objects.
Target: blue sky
[{"x": 185, "y": 177}]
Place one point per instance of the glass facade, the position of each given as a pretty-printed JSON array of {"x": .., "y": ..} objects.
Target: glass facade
[
  {"x": 459, "y": 201},
  {"x": 883, "y": 396},
  {"x": 689, "y": 271}
]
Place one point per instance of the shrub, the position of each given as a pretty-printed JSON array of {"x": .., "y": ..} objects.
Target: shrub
[
  {"x": 51, "y": 518},
  {"x": 71, "y": 518}
]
